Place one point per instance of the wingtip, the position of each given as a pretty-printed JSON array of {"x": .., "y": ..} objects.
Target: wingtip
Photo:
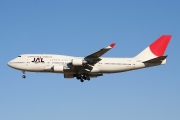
[{"x": 112, "y": 45}]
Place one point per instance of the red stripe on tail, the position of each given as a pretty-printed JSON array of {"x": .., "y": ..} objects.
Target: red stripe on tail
[{"x": 159, "y": 46}]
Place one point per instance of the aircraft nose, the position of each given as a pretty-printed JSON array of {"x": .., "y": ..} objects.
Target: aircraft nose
[{"x": 11, "y": 64}]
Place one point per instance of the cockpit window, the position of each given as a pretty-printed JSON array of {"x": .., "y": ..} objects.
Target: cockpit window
[{"x": 19, "y": 56}]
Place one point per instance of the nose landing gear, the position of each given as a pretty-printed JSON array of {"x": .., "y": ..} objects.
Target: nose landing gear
[{"x": 23, "y": 76}]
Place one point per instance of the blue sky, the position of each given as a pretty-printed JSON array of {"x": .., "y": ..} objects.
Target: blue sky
[{"x": 79, "y": 28}]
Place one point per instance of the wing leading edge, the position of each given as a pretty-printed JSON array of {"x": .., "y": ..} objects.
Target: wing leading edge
[
  {"x": 95, "y": 57},
  {"x": 100, "y": 52}
]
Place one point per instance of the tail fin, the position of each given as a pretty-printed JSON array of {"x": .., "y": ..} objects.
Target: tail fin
[{"x": 156, "y": 49}]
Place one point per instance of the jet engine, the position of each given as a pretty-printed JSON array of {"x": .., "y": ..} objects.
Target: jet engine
[
  {"x": 58, "y": 68},
  {"x": 78, "y": 62}
]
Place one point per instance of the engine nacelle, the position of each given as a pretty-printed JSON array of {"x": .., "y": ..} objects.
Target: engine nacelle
[
  {"x": 78, "y": 62},
  {"x": 58, "y": 68}
]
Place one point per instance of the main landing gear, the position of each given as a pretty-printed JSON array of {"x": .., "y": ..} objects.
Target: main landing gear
[
  {"x": 82, "y": 77},
  {"x": 23, "y": 76}
]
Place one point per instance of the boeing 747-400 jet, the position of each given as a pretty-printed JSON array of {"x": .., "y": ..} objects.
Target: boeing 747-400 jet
[{"x": 93, "y": 65}]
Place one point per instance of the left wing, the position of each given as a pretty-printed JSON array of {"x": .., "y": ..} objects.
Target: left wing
[
  {"x": 86, "y": 65},
  {"x": 101, "y": 51},
  {"x": 94, "y": 58}
]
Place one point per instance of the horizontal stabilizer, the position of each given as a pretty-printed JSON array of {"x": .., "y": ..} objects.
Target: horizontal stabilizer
[{"x": 156, "y": 60}]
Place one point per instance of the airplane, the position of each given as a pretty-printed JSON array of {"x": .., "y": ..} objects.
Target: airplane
[{"x": 93, "y": 65}]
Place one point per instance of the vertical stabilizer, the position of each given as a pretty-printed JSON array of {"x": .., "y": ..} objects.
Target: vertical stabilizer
[{"x": 156, "y": 49}]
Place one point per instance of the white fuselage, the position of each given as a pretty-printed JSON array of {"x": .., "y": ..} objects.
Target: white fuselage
[
  {"x": 92, "y": 65},
  {"x": 45, "y": 62}
]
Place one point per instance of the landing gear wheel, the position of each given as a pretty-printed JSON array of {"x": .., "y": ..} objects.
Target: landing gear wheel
[
  {"x": 84, "y": 77},
  {"x": 82, "y": 80},
  {"x": 23, "y": 76}
]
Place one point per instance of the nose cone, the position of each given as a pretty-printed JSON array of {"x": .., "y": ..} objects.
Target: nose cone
[
  {"x": 8, "y": 63},
  {"x": 11, "y": 64}
]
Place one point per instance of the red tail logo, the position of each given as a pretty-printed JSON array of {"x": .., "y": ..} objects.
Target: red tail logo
[{"x": 159, "y": 46}]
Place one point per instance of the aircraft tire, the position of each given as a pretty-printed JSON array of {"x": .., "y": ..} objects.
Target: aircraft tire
[{"x": 23, "y": 76}]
